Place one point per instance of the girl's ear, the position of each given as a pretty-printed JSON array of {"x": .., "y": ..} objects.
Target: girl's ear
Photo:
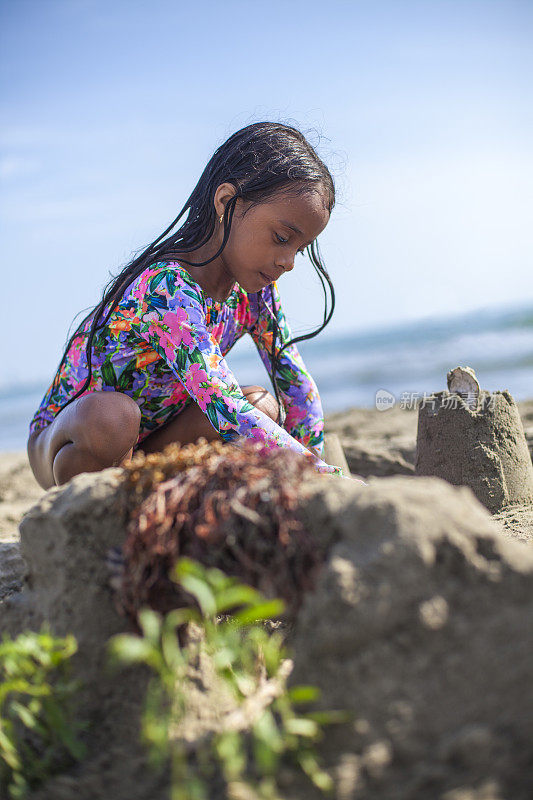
[{"x": 223, "y": 193}]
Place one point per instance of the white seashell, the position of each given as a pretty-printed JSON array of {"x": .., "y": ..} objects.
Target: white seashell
[{"x": 463, "y": 381}]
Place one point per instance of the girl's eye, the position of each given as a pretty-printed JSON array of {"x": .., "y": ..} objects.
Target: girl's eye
[{"x": 284, "y": 240}]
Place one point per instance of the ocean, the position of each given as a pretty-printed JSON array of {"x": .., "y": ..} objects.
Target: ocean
[{"x": 350, "y": 368}]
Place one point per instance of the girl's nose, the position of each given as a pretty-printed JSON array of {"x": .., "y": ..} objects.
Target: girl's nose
[{"x": 286, "y": 262}]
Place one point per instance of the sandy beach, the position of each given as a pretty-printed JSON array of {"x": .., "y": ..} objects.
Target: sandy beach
[{"x": 18, "y": 492}]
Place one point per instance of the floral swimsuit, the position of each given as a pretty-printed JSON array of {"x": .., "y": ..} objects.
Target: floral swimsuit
[{"x": 164, "y": 346}]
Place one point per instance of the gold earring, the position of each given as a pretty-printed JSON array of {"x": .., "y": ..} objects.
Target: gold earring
[{"x": 221, "y": 218}]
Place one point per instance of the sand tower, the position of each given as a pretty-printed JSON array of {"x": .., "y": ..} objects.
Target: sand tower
[{"x": 475, "y": 438}]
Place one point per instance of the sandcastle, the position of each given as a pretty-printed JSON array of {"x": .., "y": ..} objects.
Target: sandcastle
[{"x": 471, "y": 437}]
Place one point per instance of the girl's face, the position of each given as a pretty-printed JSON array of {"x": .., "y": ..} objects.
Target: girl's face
[{"x": 266, "y": 238}]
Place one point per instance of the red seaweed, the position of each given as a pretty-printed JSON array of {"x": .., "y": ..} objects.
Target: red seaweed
[{"x": 230, "y": 507}]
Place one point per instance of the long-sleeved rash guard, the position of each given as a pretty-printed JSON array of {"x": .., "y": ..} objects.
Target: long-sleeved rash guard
[{"x": 164, "y": 345}]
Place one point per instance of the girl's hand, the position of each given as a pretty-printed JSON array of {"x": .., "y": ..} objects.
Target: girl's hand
[{"x": 357, "y": 480}]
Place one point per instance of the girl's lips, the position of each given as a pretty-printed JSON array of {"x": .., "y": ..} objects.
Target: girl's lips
[{"x": 266, "y": 277}]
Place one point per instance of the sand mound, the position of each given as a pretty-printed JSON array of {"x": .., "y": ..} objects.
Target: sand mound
[
  {"x": 12, "y": 569},
  {"x": 65, "y": 539},
  {"x": 375, "y": 442},
  {"x": 422, "y": 625}
]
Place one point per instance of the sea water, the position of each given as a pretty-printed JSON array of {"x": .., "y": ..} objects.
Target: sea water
[{"x": 403, "y": 361}]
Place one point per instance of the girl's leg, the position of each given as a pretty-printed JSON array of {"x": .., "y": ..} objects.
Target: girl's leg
[
  {"x": 100, "y": 429},
  {"x": 96, "y": 431},
  {"x": 192, "y": 423}
]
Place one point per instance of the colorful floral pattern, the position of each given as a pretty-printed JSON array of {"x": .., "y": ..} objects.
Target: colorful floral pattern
[{"x": 164, "y": 346}]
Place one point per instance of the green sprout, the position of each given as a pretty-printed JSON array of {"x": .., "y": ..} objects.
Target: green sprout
[
  {"x": 263, "y": 731},
  {"x": 38, "y": 731}
]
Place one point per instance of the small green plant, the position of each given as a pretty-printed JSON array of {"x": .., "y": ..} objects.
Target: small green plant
[
  {"x": 38, "y": 732},
  {"x": 263, "y": 728}
]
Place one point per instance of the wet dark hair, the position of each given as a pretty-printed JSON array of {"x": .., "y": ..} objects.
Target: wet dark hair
[{"x": 260, "y": 160}]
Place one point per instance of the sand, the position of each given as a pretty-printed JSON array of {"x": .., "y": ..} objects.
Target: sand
[
  {"x": 18, "y": 492},
  {"x": 419, "y": 624}
]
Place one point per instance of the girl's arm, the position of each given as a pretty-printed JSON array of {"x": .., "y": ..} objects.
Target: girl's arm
[
  {"x": 173, "y": 322},
  {"x": 304, "y": 416}
]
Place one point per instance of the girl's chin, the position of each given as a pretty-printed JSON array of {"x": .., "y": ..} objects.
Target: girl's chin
[
  {"x": 254, "y": 283},
  {"x": 264, "y": 281}
]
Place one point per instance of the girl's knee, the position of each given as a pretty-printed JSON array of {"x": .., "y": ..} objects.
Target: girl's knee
[
  {"x": 107, "y": 423},
  {"x": 104, "y": 426},
  {"x": 262, "y": 399}
]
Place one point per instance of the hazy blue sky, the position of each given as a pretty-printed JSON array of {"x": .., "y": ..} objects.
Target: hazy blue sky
[{"x": 111, "y": 108}]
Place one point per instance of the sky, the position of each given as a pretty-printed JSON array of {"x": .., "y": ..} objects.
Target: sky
[{"x": 109, "y": 111}]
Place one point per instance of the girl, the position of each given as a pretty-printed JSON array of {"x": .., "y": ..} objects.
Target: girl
[{"x": 157, "y": 340}]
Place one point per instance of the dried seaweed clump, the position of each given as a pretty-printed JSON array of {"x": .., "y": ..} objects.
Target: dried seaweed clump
[{"x": 234, "y": 508}]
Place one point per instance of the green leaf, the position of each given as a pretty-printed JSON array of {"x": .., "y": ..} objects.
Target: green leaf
[
  {"x": 126, "y": 377},
  {"x": 192, "y": 293},
  {"x": 195, "y": 579},
  {"x": 224, "y": 411},
  {"x": 300, "y": 726},
  {"x": 8, "y": 751},
  {"x": 150, "y": 623},
  {"x": 212, "y": 414},
  {"x": 108, "y": 374},
  {"x": 129, "y": 649},
  {"x": 262, "y": 611},
  {"x": 331, "y": 717},
  {"x": 303, "y": 694},
  {"x": 156, "y": 280},
  {"x": 171, "y": 651},
  {"x": 25, "y": 715},
  {"x": 234, "y": 596},
  {"x": 245, "y": 407},
  {"x": 187, "y": 566},
  {"x": 181, "y": 358},
  {"x": 268, "y": 743},
  {"x": 196, "y": 357},
  {"x": 171, "y": 282},
  {"x": 229, "y": 747},
  {"x": 179, "y": 616},
  {"x": 202, "y": 593},
  {"x": 319, "y": 777}
]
